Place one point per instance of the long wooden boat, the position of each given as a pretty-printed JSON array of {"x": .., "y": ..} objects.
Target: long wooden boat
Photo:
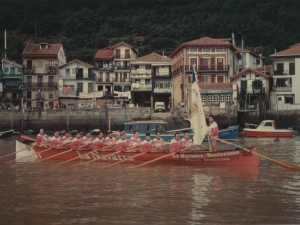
[
  {"x": 6, "y": 134},
  {"x": 231, "y": 157},
  {"x": 267, "y": 128},
  {"x": 151, "y": 126}
]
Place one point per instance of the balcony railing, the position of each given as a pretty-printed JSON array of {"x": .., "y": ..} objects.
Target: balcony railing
[
  {"x": 162, "y": 90},
  {"x": 104, "y": 80},
  {"x": 122, "y": 80},
  {"x": 140, "y": 71},
  {"x": 83, "y": 76},
  {"x": 140, "y": 75},
  {"x": 67, "y": 93},
  {"x": 51, "y": 68},
  {"x": 40, "y": 84},
  {"x": 260, "y": 91},
  {"x": 122, "y": 56},
  {"x": 37, "y": 97},
  {"x": 122, "y": 67},
  {"x": 284, "y": 72},
  {"x": 162, "y": 75},
  {"x": 12, "y": 75},
  {"x": 208, "y": 67},
  {"x": 28, "y": 67},
  {"x": 104, "y": 67},
  {"x": 282, "y": 89},
  {"x": 141, "y": 87},
  {"x": 11, "y": 87}
]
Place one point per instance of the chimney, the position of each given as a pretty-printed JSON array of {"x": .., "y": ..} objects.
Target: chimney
[
  {"x": 275, "y": 50},
  {"x": 163, "y": 53},
  {"x": 5, "y": 43},
  {"x": 233, "y": 40},
  {"x": 242, "y": 52}
]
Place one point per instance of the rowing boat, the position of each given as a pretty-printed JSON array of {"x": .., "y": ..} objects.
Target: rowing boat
[{"x": 230, "y": 157}]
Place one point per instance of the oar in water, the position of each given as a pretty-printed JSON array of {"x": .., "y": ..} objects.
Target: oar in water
[
  {"x": 159, "y": 158},
  {"x": 277, "y": 161},
  {"x": 12, "y": 153},
  {"x": 51, "y": 156},
  {"x": 104, "y": 167}
]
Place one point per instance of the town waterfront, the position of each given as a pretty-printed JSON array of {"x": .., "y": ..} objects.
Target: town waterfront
[{"x": 153, "y": 194}]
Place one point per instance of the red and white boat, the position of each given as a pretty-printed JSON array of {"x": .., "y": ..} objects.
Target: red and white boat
[
  {"x": 231, "y": 157},
  {"x": 267, "y": 128}
]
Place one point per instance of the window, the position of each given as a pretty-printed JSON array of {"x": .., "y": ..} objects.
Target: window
[
  {"x": 220, "y": 79},
  {"x": 268, "y": 124},
  {"x": 136, "y": 67},
  {"x": 280, "y": 67},
  {"x": 193, "y": 49},
  {"x": 6, "y": 70},
  {"x": 210, "y": 99},
  {"x": 19, "y": 70},
  {"x": 228, "y": 98},
  {"x": 147, "y": 81},
  {"x": 289, "y": 100},
  {"x": 203, "y": 97},
  {"x": 148, "y": 67},
  {"x": 257, "y": 61},
  {"x": 219, "y": 49},
  {"x": 279, "y": 98},
  {"x": 73, "y": 70},
  {"x": 28, "y": 95},
  {"x": 256, "y": 76},
  {"x": 206, "y": 63},
  {"x": 51, "y": 81},
  {"x": 50, "y": 94},
  {"x": 206, "y": 49},
  {"x": 79, "y": 87},
  {"x": 292, "y": 68},
  {"x": 206, "y": 79},
  {"x": 12, "y": 70},
  {"x": 67, "y": 72},
  {"x": 90, "y": 87},
  {"x": 244, "y": 75},
  {"x": 216, "y": 99},
  {"x": 222, "y": 98}
]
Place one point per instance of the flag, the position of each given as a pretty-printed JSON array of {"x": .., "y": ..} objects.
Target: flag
[{"x": 198, "y": 122}]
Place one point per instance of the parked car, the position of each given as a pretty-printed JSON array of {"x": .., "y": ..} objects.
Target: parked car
[{"x": 159, "y": 107}]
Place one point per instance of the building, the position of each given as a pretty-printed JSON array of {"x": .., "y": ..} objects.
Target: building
[
  {"x": 76, "y": 84},
  {"x": 215, "y": 61},
  {"x": 286, "y": 79},
  {"x": 11, "y": 74},
  {"x": 113, "y": 72},
  {"x": 249, "y": 59},
  {"x": 40, "y": 65},
  {"x": 151, "y": 80},
  {"x": 253, "y": 89}
]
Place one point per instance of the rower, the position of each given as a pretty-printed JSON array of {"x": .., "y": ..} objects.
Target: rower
[
  {"x": 76, "y": 142},
  {"x": 135, "y": 142},
  {"x": 175, "y": 143},
  {"x": 186, "y": 142},
  {"x": 122, "y": 143},
  {"x": 42, "y": 140},
  {"x": 110, "y": 140},
  {"x": 147, "y": 143},
  {"x": 158, "y": 142},
  {"x": 98, "y": 143},
  {"x": 66, "y": 140},
  {"x": 55, "y": 140},
  {"x": 87, "y": 140}
]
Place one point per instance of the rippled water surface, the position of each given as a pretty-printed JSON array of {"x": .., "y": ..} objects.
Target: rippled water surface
[{"x": 154, "y": 194}]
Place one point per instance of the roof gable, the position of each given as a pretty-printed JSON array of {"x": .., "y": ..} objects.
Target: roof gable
[
  {"x": 293, "y": 50},
  {"x": 76, "y": 61},
  {"x": 12, "y": 62},
  {"x": 104, "y": 53},
  {"x": 249, "y": 70},
  {"x": 36, "y": 50},
  {"x": 152, "y": 57}
]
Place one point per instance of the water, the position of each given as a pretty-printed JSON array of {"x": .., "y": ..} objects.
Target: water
[{"x": 153, "y": 194}]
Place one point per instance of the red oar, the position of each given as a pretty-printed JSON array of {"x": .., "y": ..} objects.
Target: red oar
[{"x": 50, "y": 157}]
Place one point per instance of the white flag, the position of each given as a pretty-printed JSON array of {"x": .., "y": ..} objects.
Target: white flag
[{"x": 198, "y": 122}]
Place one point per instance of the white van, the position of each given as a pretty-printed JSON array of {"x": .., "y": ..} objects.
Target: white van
[{"x": 159, "y": 107}]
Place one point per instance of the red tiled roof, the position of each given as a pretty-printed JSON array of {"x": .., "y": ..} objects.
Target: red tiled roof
[
  {"x": 78, "y": 61},
  {"x": 13, "y": 62},
  {"x": 104, "y": 53},
  {"x": 152, "y": 57},
  {"x": 264, "y": 68},
  {"x": 123, "y": 43},
  {"x": 293, "y": 50},
  {"x": 34, "y": 50},
  {"x": 249, "y": 51},
  {"x": 249, "y": 70},
  {"x": 215, "y": 86},
  {"x": 205, "y": 41}
]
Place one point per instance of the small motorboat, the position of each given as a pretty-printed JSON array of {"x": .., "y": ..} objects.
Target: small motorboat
[
  {"x": 73, "y": 132},
  {"x": 16, "y": 133},
  {"x": 267, "y": 128},
  {"x": 48, "y": 132},
  {"x": 95, "y": 131},
  {"x": 6, "y": 134},
  {"x": 29, "y": 132}
]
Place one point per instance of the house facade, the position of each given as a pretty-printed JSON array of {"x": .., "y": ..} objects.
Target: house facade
[
  {"x": 215, "y": 61},
  {"x": 286, "y": 79},
  {"x": 249, "y": 59},
  {"x": 11, "y": 88},
  {"x": 40, "y": 66},
  {"x": 77, "y": 84},
  {"x": 253, "y": 89},
  {"x": 151, "y": 80}
]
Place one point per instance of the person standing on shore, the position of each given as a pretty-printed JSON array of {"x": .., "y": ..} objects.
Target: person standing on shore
[{"x": 213, "y": 131}]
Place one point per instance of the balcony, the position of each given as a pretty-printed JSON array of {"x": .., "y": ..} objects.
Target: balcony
[
  {"x": 5, "y": 76},
  {"x": 65, "y": 76},
  {"x": 85, "y": 76},
  {"x": 178, "y": 71},
  {"x": 208, "y": 67},
  {"x": 165, "y": 75},
  {"x": 104, "y": 80},
  {"x": 108, "y": 94},
  {"x": 28, "y": 68},
  {"x": 40, "y": 85},
  {"x": 162, "y": 90},
  {"x": 284, "y": 72},
  {"x": 122, "y": 80},
  {"x": 122, "y": 56},
  {"x": 67, "y": 93},
  {"x": 122, "y": 67},
  {"x": 12, "y": 88},
  {"x": 51, "y": 68},
  {"x": 37, "y": 97},
  {"x": 254, "y": 91},
  {"x": 141, "y": 87},
  {"x": 282, "y": 89},
  {"x": 104, "y": 67},
  {"x": 140, "y": 75}
]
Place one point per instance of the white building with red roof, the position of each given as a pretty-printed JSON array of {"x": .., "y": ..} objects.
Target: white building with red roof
[
  {"x": 286, "y": 80},
  {"x": 249, "y": 59},
  {"x": 215, "y": 60},
  {"x": 40, "y": 65}
]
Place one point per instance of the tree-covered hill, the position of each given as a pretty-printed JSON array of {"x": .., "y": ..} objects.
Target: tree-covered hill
[{"x": 83, "y": 26}]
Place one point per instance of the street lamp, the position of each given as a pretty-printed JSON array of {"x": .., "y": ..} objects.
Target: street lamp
[{"x": 40, "y": 113}]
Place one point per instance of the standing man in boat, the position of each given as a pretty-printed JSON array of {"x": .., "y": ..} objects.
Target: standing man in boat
[
  {"x": 175, "y": 143},
  {"x": 147, "y": 143},
  {"x": 213, "y": 131},
  {"x": 42, "y": 140},
  {"x": 66, "y": 140},
  {"x": 98, "y": 143},
  {"x": 135, "y": 142},
  {"x": 158, "y": 142},
  {"x": 55, "y": 141},
  {"x": 110, "y": 141},
  {"x": 122, "y": 143},
  {"x": 76, "y": 142}
]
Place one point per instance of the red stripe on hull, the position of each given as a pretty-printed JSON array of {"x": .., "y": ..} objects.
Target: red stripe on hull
[
  {"x": 268, "y": 134},
  {"x": 226, "y": 157}
]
